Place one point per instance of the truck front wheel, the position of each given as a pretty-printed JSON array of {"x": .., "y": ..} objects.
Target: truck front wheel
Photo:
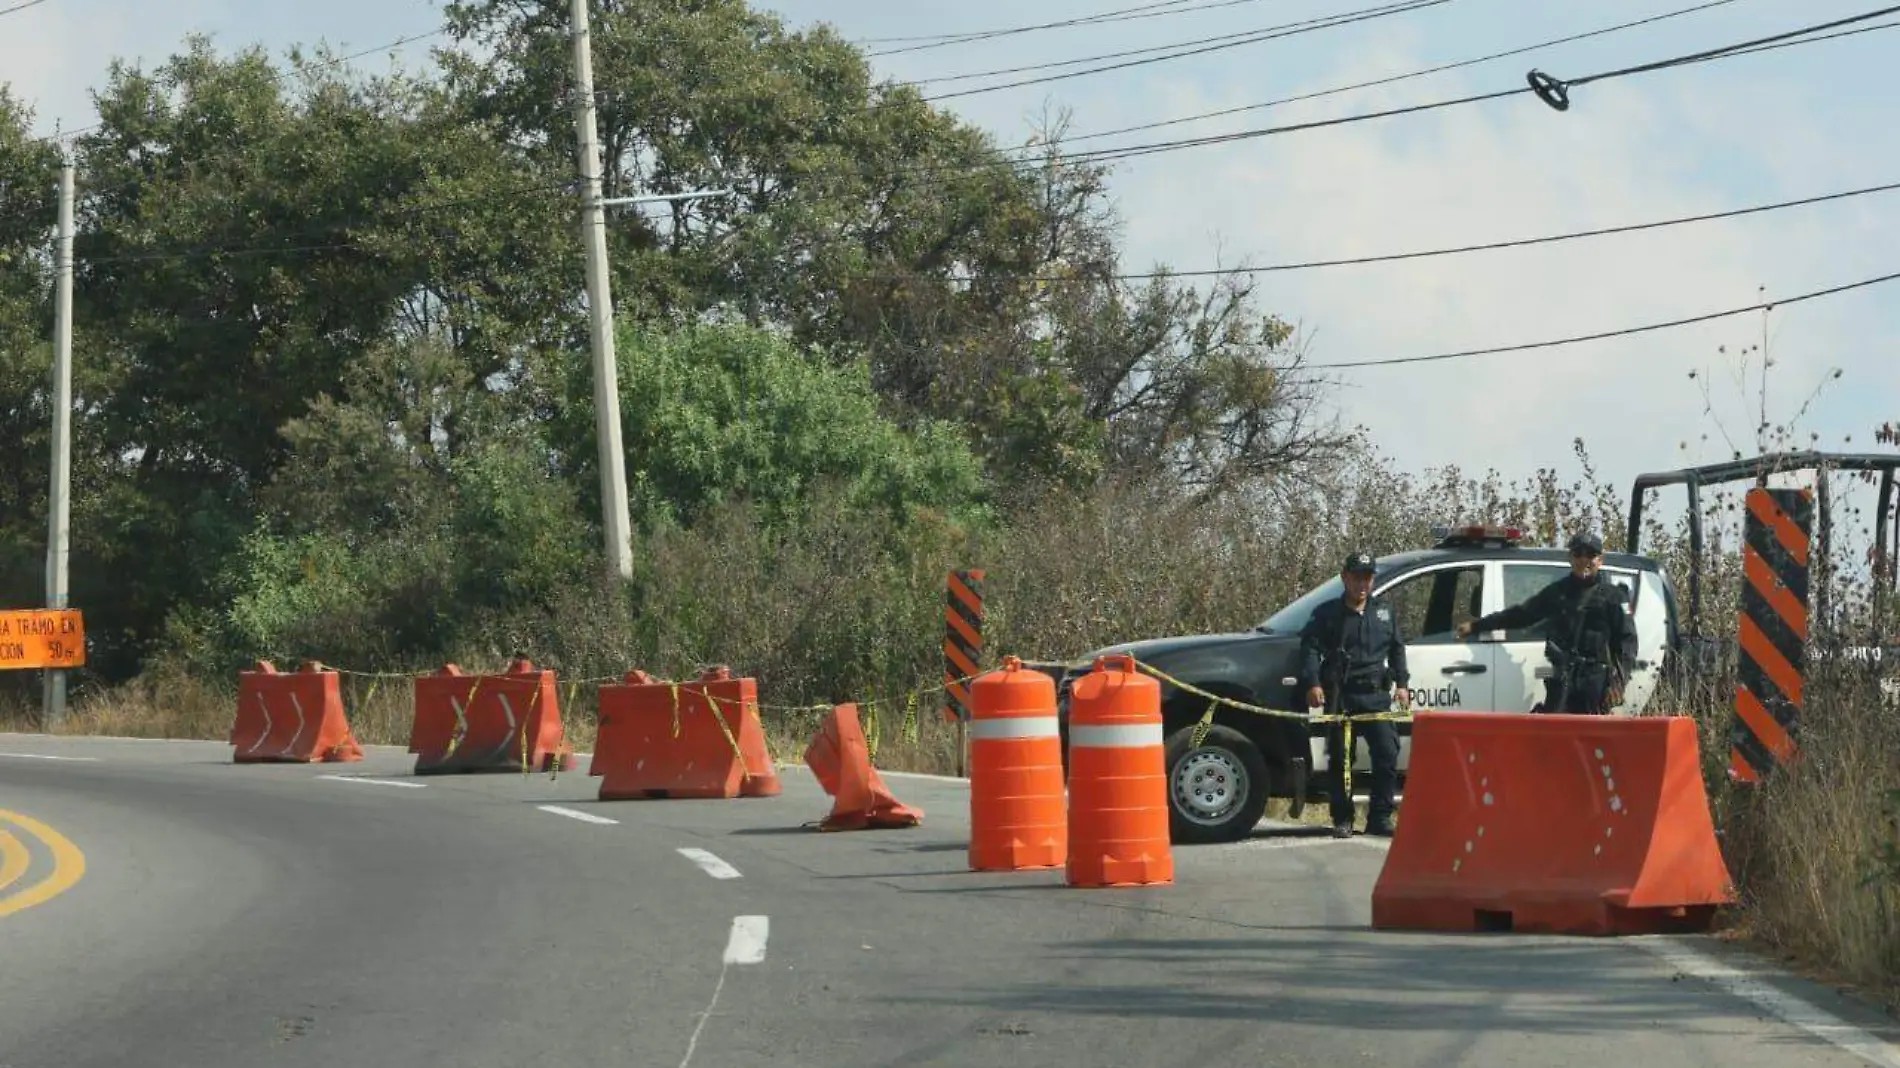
[{"x": 1218, "y": 790}]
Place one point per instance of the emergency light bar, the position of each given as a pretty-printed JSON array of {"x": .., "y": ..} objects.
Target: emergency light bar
[{"x": 1466, "y": 534}]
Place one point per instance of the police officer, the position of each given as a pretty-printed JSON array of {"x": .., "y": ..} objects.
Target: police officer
[
  {"x": 1352, "y": 649},
  {"x": 1589, "y": 638}
]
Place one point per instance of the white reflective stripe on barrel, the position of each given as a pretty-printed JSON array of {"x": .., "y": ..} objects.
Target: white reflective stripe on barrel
[
  {"x": 1014, "y": 727},
  {"x": 1114, "y": 735}
]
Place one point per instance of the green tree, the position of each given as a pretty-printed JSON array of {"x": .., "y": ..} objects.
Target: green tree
[
  {"x": 727, "y": 413},
  {"x": 29, "y": 185},
  {"x": 977, "y": 284},
  {"x": 256, "y": 243}
]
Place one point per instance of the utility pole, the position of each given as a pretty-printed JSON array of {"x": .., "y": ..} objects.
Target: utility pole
[
  {"x": 600, "y": 310},
  {"x": 59, "y": 489}
]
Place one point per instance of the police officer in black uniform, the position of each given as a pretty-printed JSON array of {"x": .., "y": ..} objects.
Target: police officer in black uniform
[
  {"x": 1352, "y": 651},
  {"x": 1589, "y": 637}
]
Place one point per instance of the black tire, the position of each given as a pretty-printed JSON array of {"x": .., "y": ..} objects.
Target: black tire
[{"x": 1217, "y": 791}]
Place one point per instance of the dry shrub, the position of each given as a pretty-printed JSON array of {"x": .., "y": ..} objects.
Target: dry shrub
[
  {"x": 848, "y": 606},
  {"x": 158, "y": 704},
  {"x": 1815, "y": 848}
]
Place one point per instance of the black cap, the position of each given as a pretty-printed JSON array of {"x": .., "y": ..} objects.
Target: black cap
[
  {"x": 1587, "y": 542},
  {"x": 1359, "y": 563}
]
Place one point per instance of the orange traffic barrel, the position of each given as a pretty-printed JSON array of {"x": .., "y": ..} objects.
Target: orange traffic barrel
[
  {"x": 1017, "y": 812},
  {"x": 1118, "y": 779}
]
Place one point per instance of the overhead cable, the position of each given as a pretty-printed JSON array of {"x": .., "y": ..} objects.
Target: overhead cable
[
  {"x": 1376, "y": 82},
  {"x": 1623, "y": 332},
  {"x": 1222, "y": 43},
  {"x": 1223, "y": 40},
  {"x": 1128, "y": 14}
]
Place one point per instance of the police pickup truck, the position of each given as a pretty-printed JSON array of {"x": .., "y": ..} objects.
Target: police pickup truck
[{"x": 1219, "y": 789}]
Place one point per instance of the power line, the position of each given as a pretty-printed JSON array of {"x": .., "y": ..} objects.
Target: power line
[
  {"x": 21, "y": 6},
  {"x": 1211, "y": 272},
  {"x": 1781, "y": 40},
  {"x": 1758, "y": 44},
  {"x": 1011, "y": 31},
  {"x": 1491, "y": 246},
  {"x": 1624, "y": 332},
  {"x": 1127, "y": 14},
  {"x": 1222, "y": 43},
  {"x": 1232, "y": 40},
  {"x": 1391, "y": 79},
  {"x": 1132, "y": 151}
]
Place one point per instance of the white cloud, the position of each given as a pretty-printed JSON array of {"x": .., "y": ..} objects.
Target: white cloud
[{"x": 1626, "y": 151}]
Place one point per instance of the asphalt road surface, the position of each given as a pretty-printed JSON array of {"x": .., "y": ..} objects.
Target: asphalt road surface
[{"x": 166, "y": 907}]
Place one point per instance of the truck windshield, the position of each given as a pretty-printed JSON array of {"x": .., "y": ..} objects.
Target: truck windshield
[{"x": 1292, "y": 618}]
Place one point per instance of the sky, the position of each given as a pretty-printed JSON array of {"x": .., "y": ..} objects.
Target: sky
[{"x": 1790, "y": 123}]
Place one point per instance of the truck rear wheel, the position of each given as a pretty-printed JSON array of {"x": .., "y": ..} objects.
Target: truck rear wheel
[{"x": 1218, "y": 790}]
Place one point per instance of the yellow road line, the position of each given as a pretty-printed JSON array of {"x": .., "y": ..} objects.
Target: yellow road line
[
  {"x": 69, "y": 865},
  {"x": 14, "y": 859}
]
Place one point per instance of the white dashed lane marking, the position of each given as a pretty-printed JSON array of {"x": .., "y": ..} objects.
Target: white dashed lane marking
[
  {"x": 575, "y": 814},
  {"x": 711, "y": 864},
  {"x": 374, "y": 782},
  {"x": 746, "y": 943}
]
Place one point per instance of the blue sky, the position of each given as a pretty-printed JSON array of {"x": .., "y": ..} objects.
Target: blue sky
[{"x": 1791, "y": 123}]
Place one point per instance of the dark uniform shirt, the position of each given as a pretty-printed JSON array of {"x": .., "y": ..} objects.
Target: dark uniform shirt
[
  {"x": 1587, "y": 622},
  {"x": 1369, "y": 645}
]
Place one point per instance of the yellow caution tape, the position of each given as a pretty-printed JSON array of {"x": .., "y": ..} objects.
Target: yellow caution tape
[
  {"x": 875, "y": 731},
  {"x": 726, "y": 729},
  {"x": 460, "y": 732},
  {"x": 523, "y": 728},
  {"x": 1261, "y": 710},
  {"x": 911, "y": 723},
  {"x": 1204, "y": 725}
]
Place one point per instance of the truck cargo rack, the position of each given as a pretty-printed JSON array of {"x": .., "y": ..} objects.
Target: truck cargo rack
[{"x": 1760, "y": 468}]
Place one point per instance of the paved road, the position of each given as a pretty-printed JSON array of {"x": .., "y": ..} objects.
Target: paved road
[{"x": 273, "y": 915}]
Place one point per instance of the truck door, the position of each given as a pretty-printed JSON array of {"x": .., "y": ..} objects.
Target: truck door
[
  {"x": 1520, "y": 665},
  {"x": 1448, "y": 674}
]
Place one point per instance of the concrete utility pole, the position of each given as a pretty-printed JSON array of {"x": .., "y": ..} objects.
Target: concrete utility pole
[
  {"x": 59, "y": 489},
  {"x": 600, "y": 311}
]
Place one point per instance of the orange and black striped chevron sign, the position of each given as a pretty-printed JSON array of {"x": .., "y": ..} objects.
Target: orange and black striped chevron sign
[
  {"x": 962, "y": 640},
  {"x": 1774, "y": 630}
]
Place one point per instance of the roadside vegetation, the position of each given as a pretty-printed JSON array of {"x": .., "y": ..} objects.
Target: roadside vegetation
[{"x": 335, "y": 404}]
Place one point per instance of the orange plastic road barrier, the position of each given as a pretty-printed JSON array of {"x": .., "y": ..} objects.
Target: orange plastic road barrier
[
  {"x": 840, "y": 758},
  {"x": 292, "y": 717},
  {"x": 1118, "y": 779},
  {"x": 1018, "y": 817},
  {"x": 469, "y": 723},
  {"x": 1560, "y": 824},
  {"x": 698, "y": 739},
  {"x": 737, "y": 700}
]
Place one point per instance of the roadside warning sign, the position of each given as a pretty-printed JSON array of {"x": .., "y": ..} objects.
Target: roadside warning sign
[{"x": 41, "y": 638}]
